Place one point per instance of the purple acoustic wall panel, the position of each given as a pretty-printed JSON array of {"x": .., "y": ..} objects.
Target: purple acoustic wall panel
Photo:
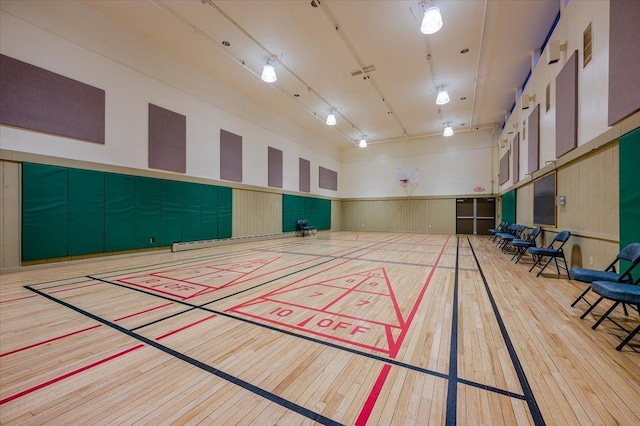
[
  {"x": 230, "y": 156},
  {"x": 624, "y": 59},
  {"x": 328, "y": 179},
  {"x": 167, "y": 140},
  {"x": 504, "y": 168},
  {"x": 516, "y": 158},
  {"x": 36, "y": 99},
  {"x": 567, "y": 106},
  {"x": 533, "y": 157},
  {"x": 274, "y": 163},
  {"x": 304, "y": 175}
]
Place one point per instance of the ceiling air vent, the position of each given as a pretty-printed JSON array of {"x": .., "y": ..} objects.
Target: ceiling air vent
[{"x": 367, "y": 69}]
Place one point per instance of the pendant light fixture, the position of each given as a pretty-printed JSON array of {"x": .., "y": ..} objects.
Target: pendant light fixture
[
  {"x": 269, "y": 71},
  {"x": 331, "y": 118},
  {"x": 363, "y": 142},
  {"x": 448, "y": 131},
  {"x": 443, "y": 97},
  {"x": 431, "y": 20}
]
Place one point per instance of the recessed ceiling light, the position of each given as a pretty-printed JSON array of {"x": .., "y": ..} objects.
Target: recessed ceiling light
[
  {"x": 464, "y": 98},
  {"x": 465, "y": 50},
  {"x": 226, "y": 43}
]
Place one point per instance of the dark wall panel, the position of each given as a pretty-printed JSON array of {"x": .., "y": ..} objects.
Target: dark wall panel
[
  {"x": 85, "y": 212},
  {"x": 44, "y": 211},
  {"x": 225, "y": 212},
  {"x": 504, "y": 168},
  {"x": 544, "y": 200},
  {"x": 167, "y": 140},
  {"x": 304, "y": 175},
  {"x": 316, "y": 210},
  {"x": 275, "y": 168},
  {"x": 119, "y": 212},
  {"x": 36, "y": 99},
  {"x": 567, "y": 106},
  {"x": 209, "y": 213},
  {"x": 516, "y": 158},
  {"x": 533, "y": 158},
  {"x": 191, "y": 211},
  {"x": 170, "y": 212},
  {"x": 328, "y": 179},
  {"x": 147, "y": 212},
  {"x": 509, "y": 206},
  {"x": 629, "y": 188},
  {"x": 230, "y": 156},
  {"x": 624, "y": 59}
]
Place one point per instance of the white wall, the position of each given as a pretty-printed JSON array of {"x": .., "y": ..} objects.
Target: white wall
[
  {"x": 592, "y": 83},
  {"x": 446, "y": 166},
  {"x": 72, "y": 39}
]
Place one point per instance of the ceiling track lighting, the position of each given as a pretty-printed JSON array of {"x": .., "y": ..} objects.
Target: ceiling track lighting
[
  {"x": 443, "y": 97},
  {"x": 269, "y": 71},
  {"x": 431, "y": 19},
  {"x": 448, "y": 131},
  {"x": 363, "y": 142},
  {"x": 331, "y": 118}
]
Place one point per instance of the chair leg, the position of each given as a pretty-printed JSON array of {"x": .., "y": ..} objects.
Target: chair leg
[
  {"x": 545, "y": 265},
  {"x": 581, "y": 296},
  {"x": 591, "y": 308},
  {"x": 628, "y": 339},
  {"x": 594, "y": 326},
  {"x": 536, "y": 260}
]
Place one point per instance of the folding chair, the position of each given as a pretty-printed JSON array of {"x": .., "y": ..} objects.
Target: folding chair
[
  {"x": 521, "y": 245},
  {"x": 619, "y": 293},
  {"x": 507, "y": 238},
  {"x": 630, "y": 253},
  {"x": 501, "y": 228},
  {"x": 553, "y": 252}
]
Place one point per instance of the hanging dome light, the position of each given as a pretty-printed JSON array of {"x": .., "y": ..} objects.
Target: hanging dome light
[
  {"x": 448, "y": 131},
  {"x": 363, "y": 142},
  {"x": 269, "y": 71},
  {"x": 431, "y": 21},
  {"x": 331, "y": 119},
  {"x": 443, "y": 97}
]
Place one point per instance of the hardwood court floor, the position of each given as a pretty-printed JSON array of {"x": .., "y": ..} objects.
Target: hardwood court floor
[{"x": 340, "y": 328}]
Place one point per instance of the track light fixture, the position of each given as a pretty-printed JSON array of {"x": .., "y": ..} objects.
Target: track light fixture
[
  {"x": 331, "y": 118},
  {"x": 269, "y": 71},
  {"x": 363, "y": 142},
  {"x": 431, "y": 19},
  {"x": 448, "y": 131},
  {"x": 443, "y": 97}
]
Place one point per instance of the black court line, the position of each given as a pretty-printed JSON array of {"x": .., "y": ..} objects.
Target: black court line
[
  {"x": 524, "y": 383},
  {"x": 199, "y": 364},
  {"x": 452, "y": 388}
]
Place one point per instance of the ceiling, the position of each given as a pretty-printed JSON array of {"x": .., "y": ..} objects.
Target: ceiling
[{"x": 319, "y": 48}]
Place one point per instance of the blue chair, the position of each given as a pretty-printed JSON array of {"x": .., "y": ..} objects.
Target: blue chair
[
  {"x": 553, "y": 252},
  {"x": 619, "y": 293},
  {"x": 514, "y": 233},
  {"x": 303, "y": 228},
  {"x": 630, "y": 253},
  {"x": 522, "y": 245},
  {"x": 501, "y": 228}
]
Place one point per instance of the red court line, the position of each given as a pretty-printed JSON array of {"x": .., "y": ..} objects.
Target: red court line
[
  {"x": 74, "y": 288},
  {"x": 69, "y": 374},
  {"x": 18, "y": 298},
  {"x": 184, "y": 328},
  {"x": 142, "y": 312},
  {"x": 155, "y": 290},
  {"x": 44, "y": 342},
  {"x": 373, "y": 396}
]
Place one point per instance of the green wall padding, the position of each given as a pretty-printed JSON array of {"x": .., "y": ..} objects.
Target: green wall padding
[
  {"x": 629, "y": 162},
  {"x": 119, "y": 213},
  {"x": 44, "y": 211},
  {"x": 191, "y": 205},
  {"x": 147, "y": 211},
  {"x": 86, "y": 212},
  {"x": 209, "y": 213},
  {"x": 509, "y": 207},
  {"x": 170, "y": 213},
  {"x": 316, "y": 210},
  {"x": 225, "y": 208}
]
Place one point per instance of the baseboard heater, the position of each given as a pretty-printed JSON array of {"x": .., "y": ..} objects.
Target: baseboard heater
[{"x": 195, "y": 245}]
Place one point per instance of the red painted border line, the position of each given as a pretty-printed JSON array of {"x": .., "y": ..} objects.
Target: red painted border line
[
  {"x": 373, "y": 396},
  {"x": 142, "y": 312},
  {"x": 69, "y": 374},
  {"x": 18, "y": 298},
  {"x": 44, "y": 342},
  {"x": 154, "y": 289},
  {"x": 184, "y": 328},
  {"x": 74, "y": 288}
]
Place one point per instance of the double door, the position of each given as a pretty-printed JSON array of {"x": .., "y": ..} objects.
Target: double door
[{"x": 475, "y": 215}]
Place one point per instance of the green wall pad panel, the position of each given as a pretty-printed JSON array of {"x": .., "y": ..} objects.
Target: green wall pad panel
[
  {"x": 44, "y": 211},
  {"x": 629, "y": 188},
  {"x": 170, "y": 212},
  {"x": 225, "y": 207},
  {"x": 147, "y": 212},
  {"x": 509, "y": 207},
  {"x": 316, "y": 210},
  {"x": 119, "y": 212},
  {"x": 191, "y": 207},
  {"x": 85, "y": 212},
  {"x": 209, "y": 212}
]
